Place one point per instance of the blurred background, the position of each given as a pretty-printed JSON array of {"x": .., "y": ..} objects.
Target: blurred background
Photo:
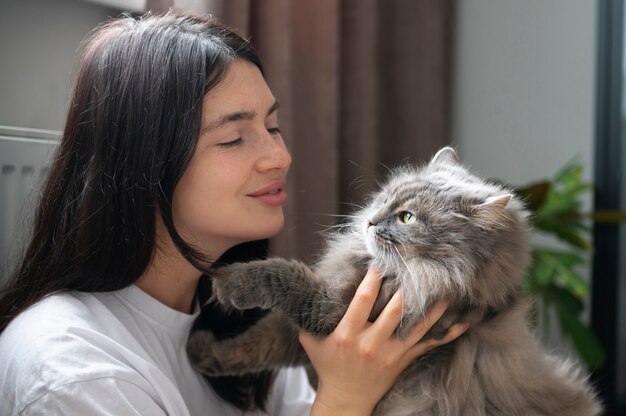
[{"x": 528, "y": 92}]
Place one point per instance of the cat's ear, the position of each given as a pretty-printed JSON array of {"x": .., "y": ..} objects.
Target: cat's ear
[
  {"x": 492, "y": 213},
  {"x": 497, "y": 202},
  {"x": 445, "y": 156}
]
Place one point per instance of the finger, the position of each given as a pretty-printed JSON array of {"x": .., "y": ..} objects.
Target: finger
[
  {"x": 361, "y": 305},
  {"x": 422, "y": 348},
  {"x": 389, "y": 319},
  {"x": 424, "y": 325}
]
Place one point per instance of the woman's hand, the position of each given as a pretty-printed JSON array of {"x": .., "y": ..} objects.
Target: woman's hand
[{"x": 359, "y": 362}]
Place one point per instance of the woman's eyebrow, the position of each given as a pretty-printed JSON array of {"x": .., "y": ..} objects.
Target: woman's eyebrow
[
  {"x": 238, "y": 116},
  {"x": 274, "y": 107}
]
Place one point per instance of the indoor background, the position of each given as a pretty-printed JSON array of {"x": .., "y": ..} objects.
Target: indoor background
[{"x": 519, "y": 88}]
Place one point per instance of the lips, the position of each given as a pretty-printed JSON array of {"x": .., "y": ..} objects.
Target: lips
[{"x": 272, "y": 194}]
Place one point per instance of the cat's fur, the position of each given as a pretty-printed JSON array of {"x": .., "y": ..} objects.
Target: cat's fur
[{"x": 468, "y": 246}]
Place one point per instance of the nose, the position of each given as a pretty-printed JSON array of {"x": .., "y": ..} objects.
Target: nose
[
  {"x": 374, "y": 220},
  {"x": 274, "y": 155}
]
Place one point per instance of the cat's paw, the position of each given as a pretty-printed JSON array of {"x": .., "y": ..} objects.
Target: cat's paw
[
  {"x": 217, "y": 358},
  {"x": 201, "y": 352},
  {"x": 231, "y": 289}
]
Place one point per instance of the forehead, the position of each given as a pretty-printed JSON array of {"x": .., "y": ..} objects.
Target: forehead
[
  {"x": 242, "y": 88},
  {"x": 424, "y": 188}
]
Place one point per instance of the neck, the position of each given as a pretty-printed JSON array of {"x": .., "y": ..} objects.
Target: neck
[{"x": 171, "y": 280}]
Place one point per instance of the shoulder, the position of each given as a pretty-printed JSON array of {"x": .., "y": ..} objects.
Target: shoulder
[
  {"x": 54, "y": 345},
  {"x": 98, "y": 396},
  {"x": 46, "y": 328}
]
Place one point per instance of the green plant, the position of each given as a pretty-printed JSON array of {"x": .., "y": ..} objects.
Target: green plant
[{"x": 556, "y": 209}]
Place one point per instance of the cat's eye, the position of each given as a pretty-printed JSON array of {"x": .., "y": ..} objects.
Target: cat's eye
[{"x": 407, "y": 217}]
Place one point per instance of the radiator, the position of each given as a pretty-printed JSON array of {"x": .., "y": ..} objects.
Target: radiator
[{"x": 24, "y": 160}]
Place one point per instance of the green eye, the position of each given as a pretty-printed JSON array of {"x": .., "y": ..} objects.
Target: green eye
[{"x": 407, "y": 217}]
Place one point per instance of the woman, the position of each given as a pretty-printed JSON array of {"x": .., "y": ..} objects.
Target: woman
[{"x": 171, "y": 155}]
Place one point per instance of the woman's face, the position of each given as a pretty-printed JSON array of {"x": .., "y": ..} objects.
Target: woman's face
[{"x": 234, "y": 187}]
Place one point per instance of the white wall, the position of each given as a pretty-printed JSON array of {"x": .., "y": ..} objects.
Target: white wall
[
  {"x": 38, "y": 44},
  {"x": 38, "y": 52},
  {"x": 524, "y": 85},
  {"x": 524, "y": 88}
]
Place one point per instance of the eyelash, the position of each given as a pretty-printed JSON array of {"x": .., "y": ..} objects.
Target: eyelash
[
  {"x": 273, "y": 131},
  {"x": 232, "y": 143}
]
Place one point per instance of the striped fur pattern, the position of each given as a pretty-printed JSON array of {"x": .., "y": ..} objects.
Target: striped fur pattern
[{"x": 439, "y": 233}]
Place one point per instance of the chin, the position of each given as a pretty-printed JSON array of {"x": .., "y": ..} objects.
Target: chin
[
  {"x": 272, "y": 231},
  {"x": 270, "y": 227}
]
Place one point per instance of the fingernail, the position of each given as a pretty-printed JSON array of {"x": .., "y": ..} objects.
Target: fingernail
[{"x": 464, "y": 326}]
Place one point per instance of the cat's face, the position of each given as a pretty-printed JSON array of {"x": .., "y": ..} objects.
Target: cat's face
[
  {"x": 430, "y": 211},
  {"x": 439, "y": 223},
  {"x": 413, "y": 218}
]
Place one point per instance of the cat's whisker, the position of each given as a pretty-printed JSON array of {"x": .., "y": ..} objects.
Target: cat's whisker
[
  {"x": 333, "y": 215},
  {"x": 362, "y": 179},
  {"x": 408, "y": 269},
  {"x": 389, "y": 170},
  {"x": 334, "y": 227},
  {"x": 351, "y": 204},
  {"x": 330, "y": 229},
  {"x": 361, "y": 185}
]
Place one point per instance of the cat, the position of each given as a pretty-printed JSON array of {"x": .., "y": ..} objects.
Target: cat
[{"x": 441, "y": 234}]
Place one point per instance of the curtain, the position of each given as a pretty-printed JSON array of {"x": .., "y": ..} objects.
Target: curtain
[{"x": 364, "y": 86}]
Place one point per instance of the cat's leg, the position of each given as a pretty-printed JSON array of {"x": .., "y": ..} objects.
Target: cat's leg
[
  {"x": 286, "y": 286},
  {"x": 270, "y": 343}
]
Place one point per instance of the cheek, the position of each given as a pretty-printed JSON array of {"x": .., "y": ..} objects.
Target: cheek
[{"x": 202, "y": 189}]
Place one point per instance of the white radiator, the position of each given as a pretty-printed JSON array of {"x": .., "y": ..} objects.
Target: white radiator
[{"x": 24, "y": 160}]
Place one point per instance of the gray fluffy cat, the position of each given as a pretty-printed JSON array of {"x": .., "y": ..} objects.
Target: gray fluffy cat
[{"x": 439, "y": 233}]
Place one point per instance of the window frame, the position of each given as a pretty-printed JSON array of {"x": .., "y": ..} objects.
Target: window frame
[{"x": 609, "y": 282}]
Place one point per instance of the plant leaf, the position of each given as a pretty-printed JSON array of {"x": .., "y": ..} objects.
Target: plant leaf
[
  {"x": 584, "y": 339},
  {"x": 563, "y": 263},
  {"x": 541, "y": 272},
  {"x": 534, "y": 195},
  {"x": 555, "y": 207}
]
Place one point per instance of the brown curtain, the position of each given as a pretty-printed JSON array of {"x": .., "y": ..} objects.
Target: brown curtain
[{"x": 364, "y": 85}]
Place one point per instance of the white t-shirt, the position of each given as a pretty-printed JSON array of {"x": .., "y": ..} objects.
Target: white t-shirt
[{"x": 116, "y": 353}]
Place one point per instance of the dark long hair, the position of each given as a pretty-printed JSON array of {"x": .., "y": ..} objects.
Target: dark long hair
[{"x": 131, "y": 129}]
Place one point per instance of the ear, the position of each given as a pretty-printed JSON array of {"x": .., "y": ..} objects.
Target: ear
[
  {"x": 497, "y": 202},
  {"x": 492, "y": 213},
  {"x": 445, "y": 156}
]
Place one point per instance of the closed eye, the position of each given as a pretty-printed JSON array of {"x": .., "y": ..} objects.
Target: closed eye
[
  {"x": 231, "y": 143},
  {"x": 274, "y": 130}
]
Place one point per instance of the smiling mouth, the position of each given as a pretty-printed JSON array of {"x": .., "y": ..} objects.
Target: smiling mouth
[{"x": 273, "y": 194}]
